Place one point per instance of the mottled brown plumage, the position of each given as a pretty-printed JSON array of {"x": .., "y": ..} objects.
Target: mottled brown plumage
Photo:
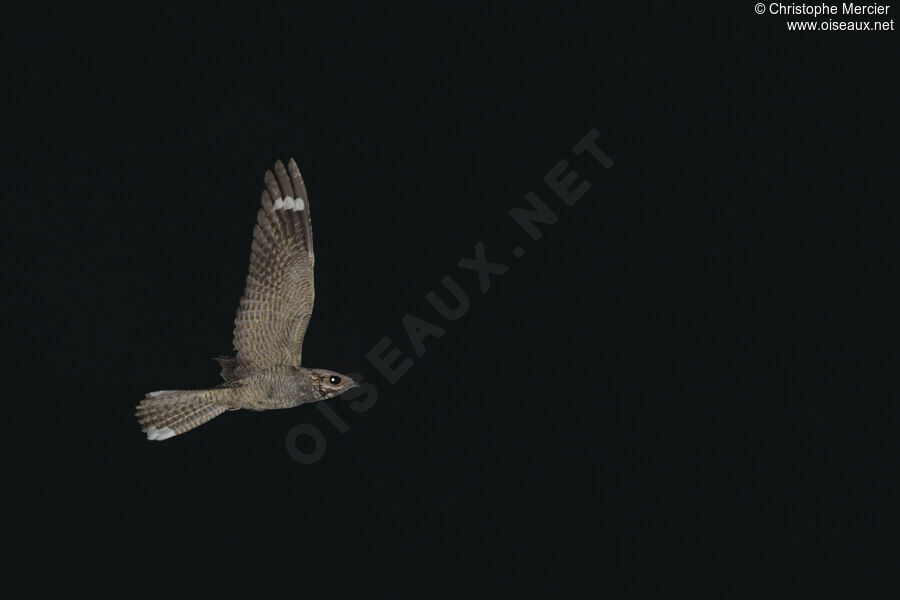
[{"x": 271, "y": 322}]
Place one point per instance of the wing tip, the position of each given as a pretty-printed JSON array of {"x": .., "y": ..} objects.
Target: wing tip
[{"x": 266, "y": 200}]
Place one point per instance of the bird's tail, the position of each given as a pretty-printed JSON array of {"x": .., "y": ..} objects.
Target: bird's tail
[{"x": 167, "y": 413}]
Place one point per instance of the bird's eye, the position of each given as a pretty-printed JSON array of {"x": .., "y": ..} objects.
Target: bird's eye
[{"x": 334, "y": 380}]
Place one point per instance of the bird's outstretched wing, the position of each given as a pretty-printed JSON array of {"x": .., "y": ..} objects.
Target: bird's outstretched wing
[{"x": 278, "y": 297}]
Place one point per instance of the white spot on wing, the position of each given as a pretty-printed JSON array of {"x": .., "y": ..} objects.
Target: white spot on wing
[
  {"x": 160, "y": 434},
  {"x": 279, "y": 204},
  {"x": 298, "y": 204},
  {"x": 165, "y": 433},
  {"x": 288, "y": 203},
  {"x": 160, "y": 393}
]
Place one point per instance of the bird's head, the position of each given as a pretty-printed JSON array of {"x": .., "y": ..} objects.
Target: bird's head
[{"x": 329, "y": 384}]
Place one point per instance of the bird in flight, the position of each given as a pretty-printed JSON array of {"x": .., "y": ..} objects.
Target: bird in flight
[{"x": 272, "y": 316}]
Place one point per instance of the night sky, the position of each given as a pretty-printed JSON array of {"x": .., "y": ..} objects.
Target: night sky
[{"x": 685, "y": 385}]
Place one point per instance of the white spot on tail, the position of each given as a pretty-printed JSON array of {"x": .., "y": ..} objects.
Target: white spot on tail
[
  {"x": 288, "y": 203},
  {"x": 160, "y": 393},
  {"x": 160, "y": 434},
  {"x": 298, "y": 204},
  {"x": 279, "y": 204}
]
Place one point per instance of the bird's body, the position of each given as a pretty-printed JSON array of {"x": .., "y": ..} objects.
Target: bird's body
[
  {"x": 269, "y": 328},
  {"x": 275, "y": 388}
]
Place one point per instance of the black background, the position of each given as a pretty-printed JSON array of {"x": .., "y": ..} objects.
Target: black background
[{"x": 686, "y": 386}]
